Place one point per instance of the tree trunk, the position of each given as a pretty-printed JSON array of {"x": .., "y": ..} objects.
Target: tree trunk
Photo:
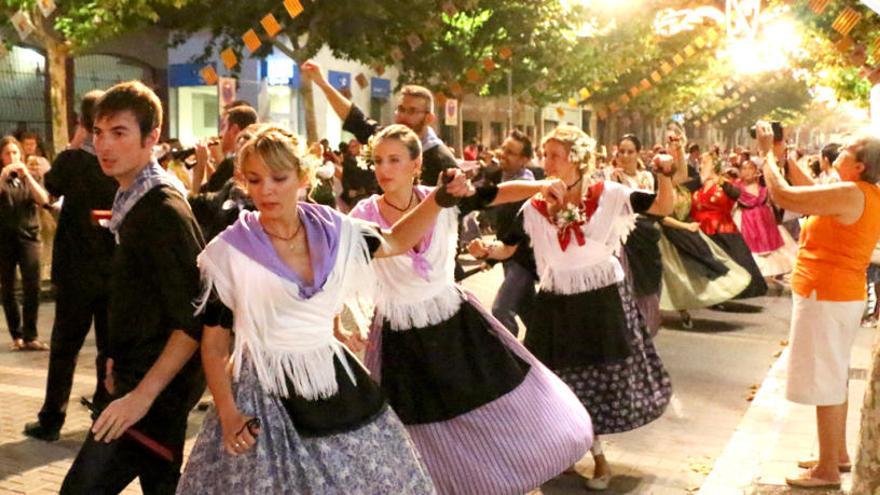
[
  {"x": 308, "y": 94},
  {"x": 866, "y": 475},
  {"x": 56, "y": 65}
]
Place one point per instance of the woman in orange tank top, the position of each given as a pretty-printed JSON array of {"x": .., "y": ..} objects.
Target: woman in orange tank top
[{"x": 828, "y": 288}]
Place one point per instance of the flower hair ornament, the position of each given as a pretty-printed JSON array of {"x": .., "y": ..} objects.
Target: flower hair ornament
[
  {"x": 365, "y": 157},
  {"x": 581, "y": 149}
]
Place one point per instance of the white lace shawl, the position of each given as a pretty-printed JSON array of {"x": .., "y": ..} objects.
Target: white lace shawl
[
  {"x": 591, "y": 266},
  {"x": 286, "y": 336}
]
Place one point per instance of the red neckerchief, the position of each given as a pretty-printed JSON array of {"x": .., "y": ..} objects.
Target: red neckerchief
[{"x": 587, "y": 206}]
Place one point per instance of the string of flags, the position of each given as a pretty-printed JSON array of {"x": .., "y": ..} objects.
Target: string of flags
[
  {"x": 251, "y": 40},
  {"x": 706, "y": 40},
  {"x": 856, "y": 53}
]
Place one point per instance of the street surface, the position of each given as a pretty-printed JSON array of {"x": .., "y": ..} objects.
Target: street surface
[{"x": 714, "y": 368}]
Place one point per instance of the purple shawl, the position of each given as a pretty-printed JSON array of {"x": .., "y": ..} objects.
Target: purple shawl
[
  {"x": 368, "y": 210},
  {"x": 321, "y": 225}
]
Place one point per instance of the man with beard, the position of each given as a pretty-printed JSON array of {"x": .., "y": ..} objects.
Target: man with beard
[{"x": 415, "y": 110}]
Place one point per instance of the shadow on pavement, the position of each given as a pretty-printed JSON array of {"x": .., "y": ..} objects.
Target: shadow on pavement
[
  {"x": 737, "y": 307},
  {"x": 31, "y": 454},
  {"x": 569, "y": 484},
  {"x": 701, "y": 325}
]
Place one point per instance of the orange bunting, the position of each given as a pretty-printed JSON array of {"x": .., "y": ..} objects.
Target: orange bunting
[
  {"x": 602, "y": 115},
  {"x": 473, "y": 76},
  {"x": 818, "y": 6},
  {"x": 455, "y": 88},
  {"x": 252, "y": 41},
  {"x": 624, "y": 99},
  {"x": 700, "y": 42},
  {"x": 505, "y": 52},
  {"x": 489, "y": 64},
  {"x": 572, "y": 102},
  {"x": 584, "y": 93},
  {"x": 689, "y": 51},
  {"x": 209, "y": 75},
  {"x": 656, "y": 77},
  {"x": 712, "y": 34},
  {"x": 646, "y": 84},
  {"x": 666, "y": 68},
  {"x": 846, "y": 21},
  {"x": 270, "y": 24},
  {"x": 379, "y": 69},
  {"x": 677, "y": 59},
  {"x": 844, "y": 44},
  {"x": 634, "y": 91},
  {"x": 361, "y": 80},
  {"x": 294, "y": 8},
  {"x": 560, "y": 111},
  {"x": 229, "y": 59},
  {"x": 613, "y": 107}
]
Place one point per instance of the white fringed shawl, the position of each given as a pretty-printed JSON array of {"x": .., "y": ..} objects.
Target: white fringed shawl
[
  {"x": 288, "y": 337},
  {"x": 407, "y": 300},
  {"x": 591, "y": 266}
]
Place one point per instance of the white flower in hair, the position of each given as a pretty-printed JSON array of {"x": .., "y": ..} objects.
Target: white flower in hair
[
  {"x": 365, "y": 157},
  {"x": 581, "y": 149}
]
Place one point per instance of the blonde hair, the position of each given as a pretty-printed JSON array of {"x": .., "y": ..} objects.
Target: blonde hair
[
  {"x": 278, "y": 149},
  {"x": 580, "y": 146}
]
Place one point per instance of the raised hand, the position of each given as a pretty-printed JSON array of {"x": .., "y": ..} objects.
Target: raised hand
[
  {"x": 313, "y": 70},
  {"x": 664, "y": 164}
]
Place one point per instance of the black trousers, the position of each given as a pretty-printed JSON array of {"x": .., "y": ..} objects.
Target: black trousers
[
  {"x": 75, "y": 310},
  {"x": 107, "y": 468},
  {"x": 24, "y": 254}
]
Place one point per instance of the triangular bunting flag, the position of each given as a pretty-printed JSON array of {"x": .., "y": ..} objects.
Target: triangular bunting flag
[
  {"x": 252, "y": 41},
  {"x": 846, "y": 21},
  {"x": 209, "y": 75},
  {"x": 294, "y": 7},
  {"x": 228, "y": 57},
  {"x": 270, "y": 25}
]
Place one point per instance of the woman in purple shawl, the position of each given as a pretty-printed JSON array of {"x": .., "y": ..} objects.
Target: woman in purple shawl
[{"x": 295, "y": 412}]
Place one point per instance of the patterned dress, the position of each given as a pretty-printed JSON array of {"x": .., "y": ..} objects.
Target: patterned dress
[
  {"x": 487, "y": 417},
  {"x": 325, "y": 426},
  {"x": 591, "y": 332}
]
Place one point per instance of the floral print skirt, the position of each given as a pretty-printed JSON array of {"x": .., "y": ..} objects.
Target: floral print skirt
[
  {"x": 377, "y": 458},
  {"x": 632, "y": 392}
]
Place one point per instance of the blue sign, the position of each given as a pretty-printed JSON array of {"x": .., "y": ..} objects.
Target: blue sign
[
  {"x": 181, "y": 75},
  {"x": 280, "y": 71},
  {"x": 380, "y": 88},
  {"x": 339, "y": 80}
]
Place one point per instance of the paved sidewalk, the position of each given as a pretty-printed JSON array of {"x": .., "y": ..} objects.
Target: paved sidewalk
[
  {"x": 31, "y": 466},
  {"x": 775, "y": 433}
]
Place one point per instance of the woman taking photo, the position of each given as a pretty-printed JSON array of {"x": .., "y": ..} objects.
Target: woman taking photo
[
  {"x": 828, "y": 289},
  {"x": 591, "y": 333},
  {"x": 299, "y": 414},
  {"x": 21, "y": 196}
]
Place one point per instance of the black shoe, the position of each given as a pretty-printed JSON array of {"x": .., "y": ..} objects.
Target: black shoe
[{"x": 40, "y": 432}]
